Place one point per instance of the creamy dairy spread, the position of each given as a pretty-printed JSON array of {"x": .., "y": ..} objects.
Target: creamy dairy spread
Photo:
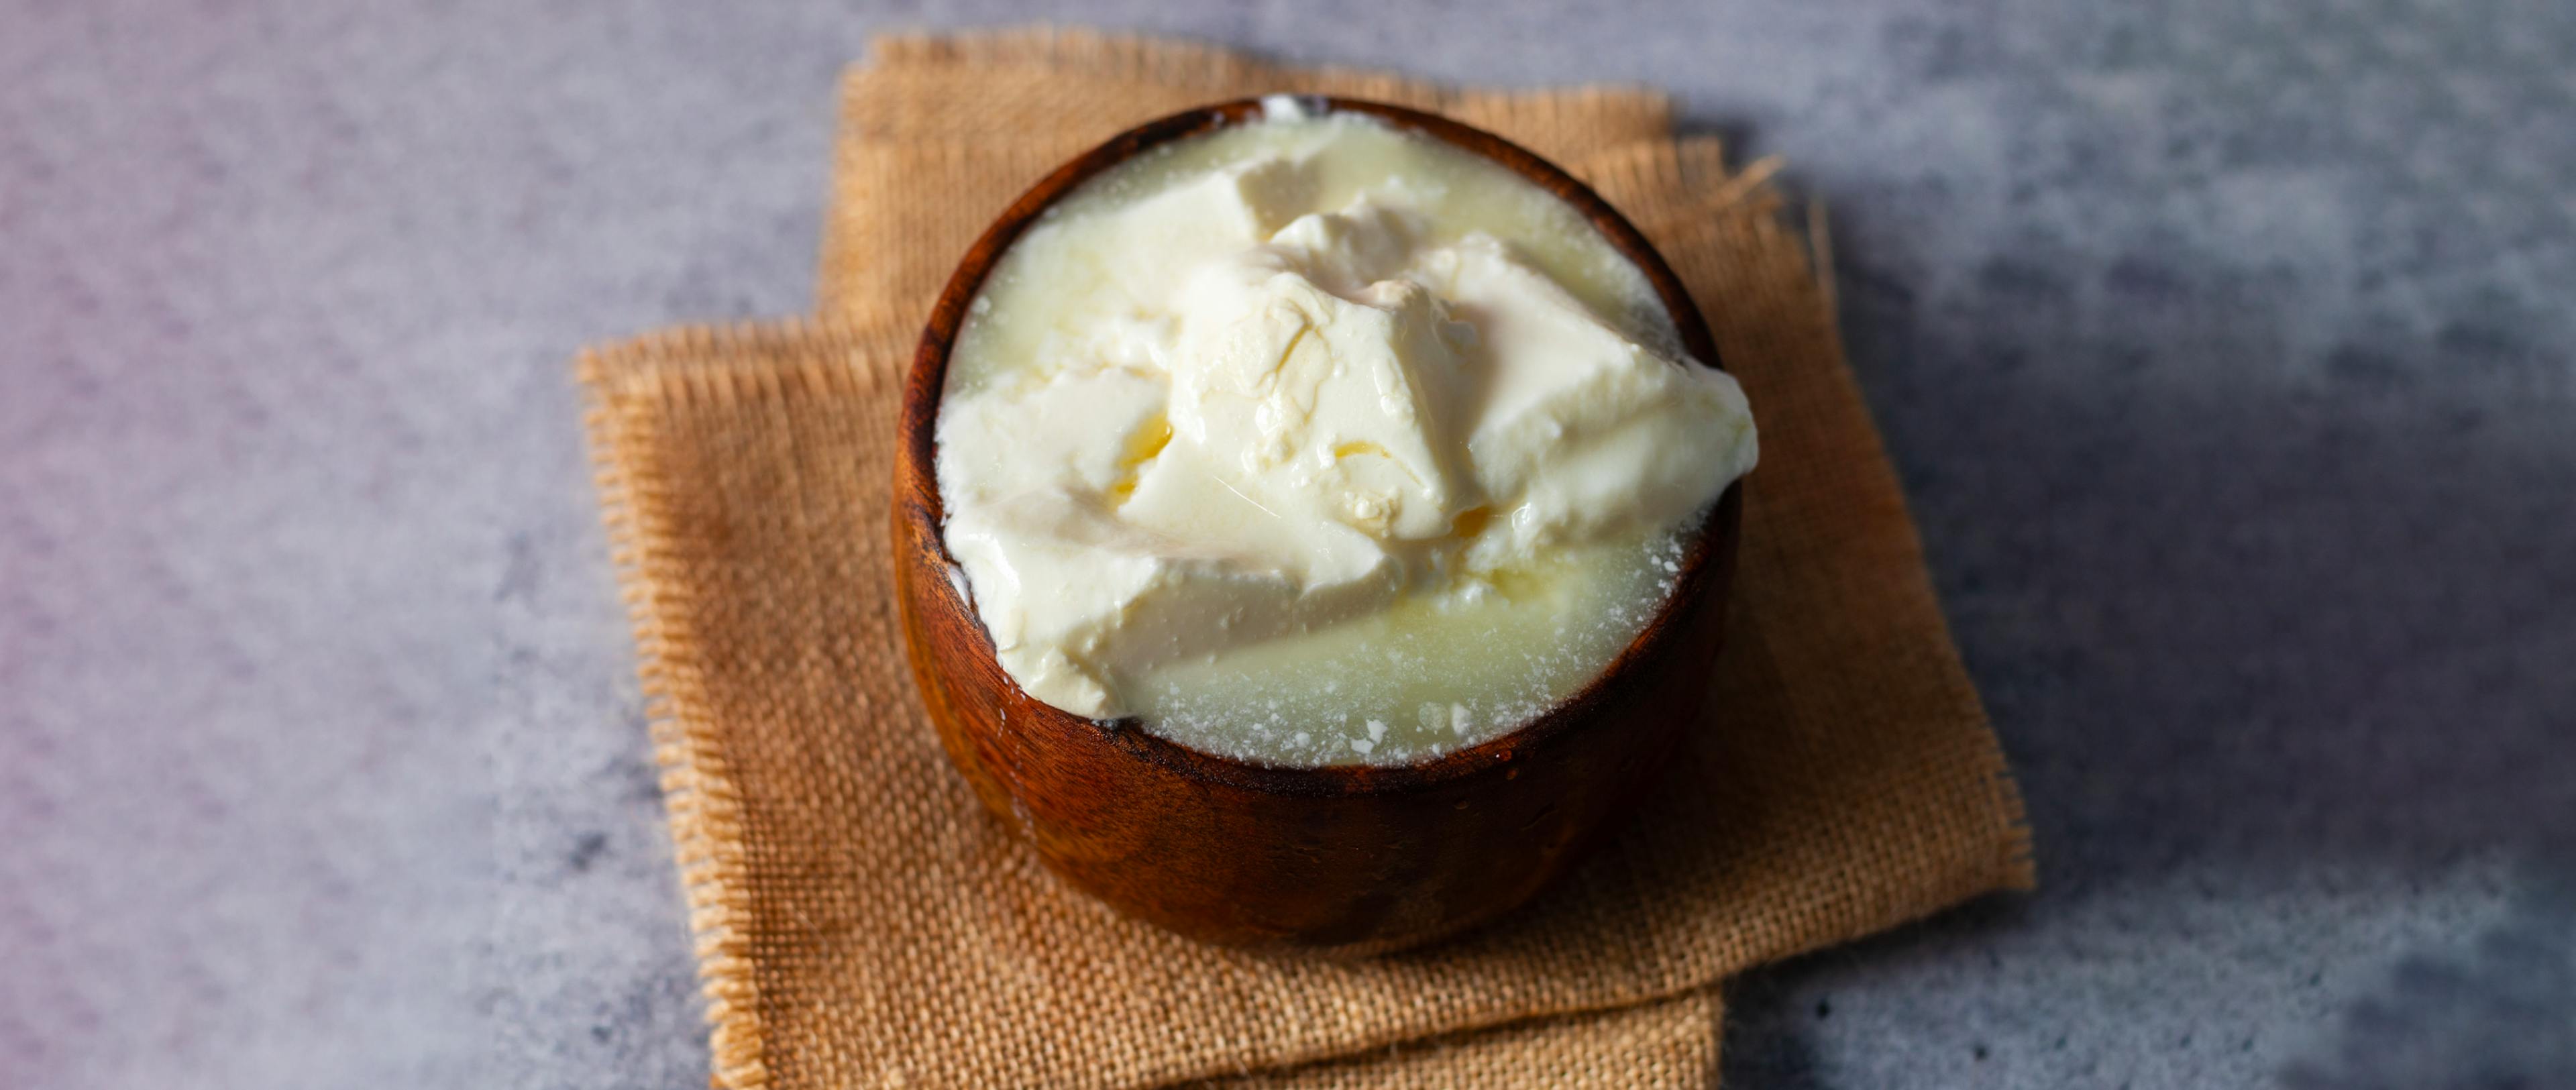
[{"x": 1313, "y": 442}]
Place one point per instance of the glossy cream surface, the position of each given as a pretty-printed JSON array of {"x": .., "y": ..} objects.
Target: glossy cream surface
[{"x": 1314, "y": 442}]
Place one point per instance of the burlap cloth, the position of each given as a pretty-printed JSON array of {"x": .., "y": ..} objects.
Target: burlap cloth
[{"x": 860, "y": 922}]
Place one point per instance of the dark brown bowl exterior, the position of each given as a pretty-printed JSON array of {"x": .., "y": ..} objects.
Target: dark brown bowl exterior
[{"x": 1348, "y": 860}]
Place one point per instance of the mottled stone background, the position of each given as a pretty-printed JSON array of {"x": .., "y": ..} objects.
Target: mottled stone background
[{"x": 2223, "y": 348}]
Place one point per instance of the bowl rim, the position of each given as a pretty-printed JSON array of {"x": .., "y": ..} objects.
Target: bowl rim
[{"x": 926, "y": 384}]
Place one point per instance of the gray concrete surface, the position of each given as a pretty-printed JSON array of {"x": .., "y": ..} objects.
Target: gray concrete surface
[{"x": 2223, "y": 349}]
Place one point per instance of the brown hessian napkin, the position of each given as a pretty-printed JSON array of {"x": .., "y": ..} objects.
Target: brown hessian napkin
[{"x": 860, "y": 922}]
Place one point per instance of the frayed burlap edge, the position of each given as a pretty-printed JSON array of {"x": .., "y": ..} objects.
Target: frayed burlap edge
[
  {"x": 1081, "y": 51},
  {"x": 700, "y": 802}
]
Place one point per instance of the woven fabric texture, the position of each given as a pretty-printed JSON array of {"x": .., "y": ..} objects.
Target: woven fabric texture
[{"x": 860, "y": 922}]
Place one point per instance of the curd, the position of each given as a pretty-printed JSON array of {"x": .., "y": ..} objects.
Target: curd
[{"x": 1312, "y": 442}]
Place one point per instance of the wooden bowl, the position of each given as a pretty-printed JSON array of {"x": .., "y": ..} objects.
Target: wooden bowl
[{"x": 1348, "y": 860}]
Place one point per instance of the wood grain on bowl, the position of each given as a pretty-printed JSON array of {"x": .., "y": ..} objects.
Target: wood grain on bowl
[{"x": 1348, "y": 860}]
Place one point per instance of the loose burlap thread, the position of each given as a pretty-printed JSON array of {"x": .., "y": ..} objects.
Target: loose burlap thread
[{"x": 860, "y": 922}]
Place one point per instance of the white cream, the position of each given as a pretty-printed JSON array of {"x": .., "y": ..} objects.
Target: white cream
[{"x": 1305, "y": 395}]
